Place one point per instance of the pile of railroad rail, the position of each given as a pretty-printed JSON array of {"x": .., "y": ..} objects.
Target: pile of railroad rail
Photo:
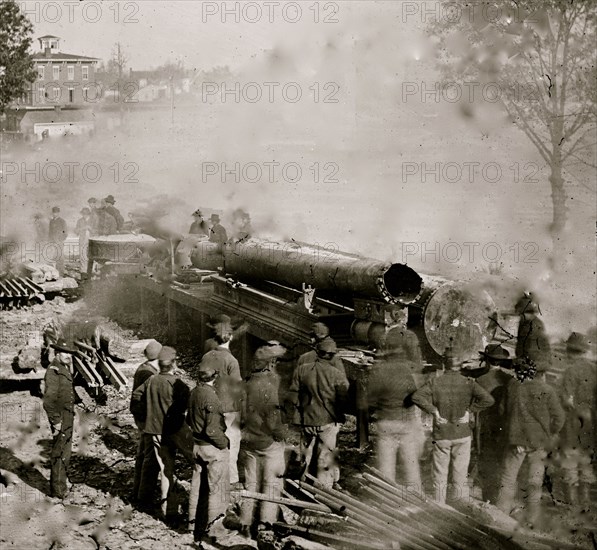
[
  {"x": 395, "y": 517},
  {"x": 387, "y": 515},
  {"x": 18, "y": 292}
]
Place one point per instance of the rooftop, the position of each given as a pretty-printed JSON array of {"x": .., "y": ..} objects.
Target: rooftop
[{"x": 41, "y": 56}]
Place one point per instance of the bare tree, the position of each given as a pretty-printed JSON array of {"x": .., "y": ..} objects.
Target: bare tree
[
  {"x": 118, "y": 62},
  {"x": 541, "y": 55}
]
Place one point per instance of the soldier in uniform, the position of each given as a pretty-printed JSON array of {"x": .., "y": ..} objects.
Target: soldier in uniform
[
  {"x": 210, "y": 486},
  {"x": 319, "y": 333},
  {"x": 533, "y": 418},
  {"x": 263, "y": 435},
  {"x": 160, "y": 403},
  {"x": 531, "y": 340},
  {"x": 144, "y": 371},
  {"x": 451, "y": 398},
  {"x": 489, "y": 428},
  {"x": 319, "y": 391},
  {"x": 228, "y": 387},
  {"x": 59, "y": 402},
  {"x": 399, "y": 428}
]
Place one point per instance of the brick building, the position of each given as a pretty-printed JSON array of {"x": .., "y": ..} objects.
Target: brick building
[{"x": 65, "y": 84}]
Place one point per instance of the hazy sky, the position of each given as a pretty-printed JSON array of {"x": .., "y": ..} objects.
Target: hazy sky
[{"x": 204, "y": 34}]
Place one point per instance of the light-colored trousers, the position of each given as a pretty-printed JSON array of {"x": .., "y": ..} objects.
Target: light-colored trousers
[
  {"x": 400, "y": 439},
  {"x": 232, "y": 420},
  {"x": 513, "y": 460},
  {"x": 451, "y": 456},
  {"x": 264, "y": 471},
  {"x": 321, "y": 451}
]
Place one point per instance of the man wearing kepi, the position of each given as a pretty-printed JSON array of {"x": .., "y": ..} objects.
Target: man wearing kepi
[
  {"x": 534, "y": 417},
  {"x": 319, "y": 333},
  {"x": 165, "y": 397},
  {"x": 144, "y": 371},
  {"x": 319, "y": 390},
  {"x": 451, "y": 398},
  {"x": 59, "y": 403},
  {"x": 263, "y": 437},
  {"x": 399, "y": 428},
  {"x": 228, "y": 387},
  {"x": 210, "y": 486}
]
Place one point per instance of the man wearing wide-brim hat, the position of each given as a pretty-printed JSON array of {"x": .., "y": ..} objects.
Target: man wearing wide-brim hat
[
  {"x": 217, "y": 233},
  {"x": 489, "y": 427},
  {"x": 533, "y": 418},
  {"x": 59, "y": 403},
  {"x": 577, "y": 439},
  {"x": 114, "y": 212}
]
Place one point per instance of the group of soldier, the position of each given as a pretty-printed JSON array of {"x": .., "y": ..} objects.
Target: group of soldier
[
  {"x": 233, "y": 431},
  {"x": 233, "y": 422},
  {"x": 101, "y": 217}
]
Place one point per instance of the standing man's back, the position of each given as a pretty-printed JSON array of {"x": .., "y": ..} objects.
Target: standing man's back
[
  {"x": 451, "y": 398},
  {"x": 165, "y": 397},
  {"x": 533, "y": 417},
  {"x": 319, "y": 391}
]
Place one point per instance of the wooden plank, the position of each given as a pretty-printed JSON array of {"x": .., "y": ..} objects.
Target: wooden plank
[
  {"x": 91, "y": 377},
  {"x": 110, "y": 370}
]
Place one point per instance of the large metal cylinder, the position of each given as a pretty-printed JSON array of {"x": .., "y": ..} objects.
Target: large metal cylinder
[
  {"x": 455, "y": 314},
  {"x": 295, "y": 263},
  {"x": 122, "y": 248}
]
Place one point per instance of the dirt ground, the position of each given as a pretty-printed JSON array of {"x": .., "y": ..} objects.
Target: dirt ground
[{"x": 96, "y": 513}]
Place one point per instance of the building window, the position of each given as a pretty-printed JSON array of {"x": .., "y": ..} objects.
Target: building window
[
  {"x": 54, "y": 45},
  {"x": 42, "y": 94},
  {"x": 71, "y": 72},
  {"x": 56, "y": 72},
  {"x": 85, "y": 93},
  {"x": 85, "y": 73},
  {"x": 40, "y": 71},
  {"x": 71, "y": 95}
]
